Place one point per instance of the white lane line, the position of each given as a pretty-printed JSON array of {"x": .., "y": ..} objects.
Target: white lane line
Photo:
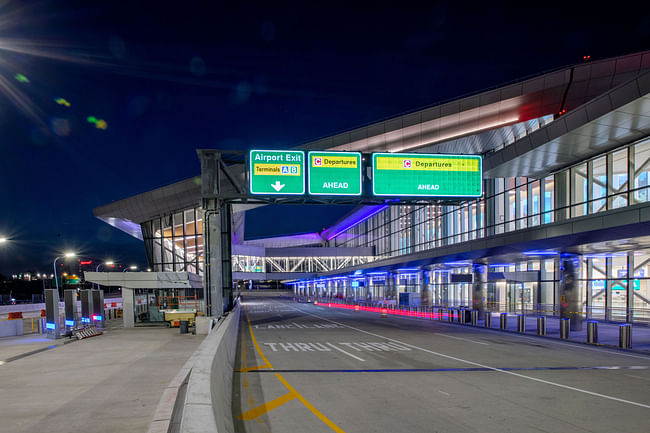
[
  {"x": 442, "y": 355},
  {"x": 445, "y": 393},
  {"x": 464, "y": 339},
  {"x": 347, "y": 353}
]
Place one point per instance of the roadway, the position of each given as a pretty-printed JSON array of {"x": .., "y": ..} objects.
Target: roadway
[{"x": 303, "y": 367}]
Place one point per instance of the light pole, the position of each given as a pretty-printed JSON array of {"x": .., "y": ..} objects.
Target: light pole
[
  {"x": 131, "y": 268},
  {"x": 66, "y": 255},
  {"x": 109, "y": 263}
]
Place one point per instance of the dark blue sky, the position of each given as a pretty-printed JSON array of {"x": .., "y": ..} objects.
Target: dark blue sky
[{"x": 170, "y": 77}]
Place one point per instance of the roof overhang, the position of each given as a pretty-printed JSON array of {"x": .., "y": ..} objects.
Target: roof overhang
[
  {"x": 618, "y": 117},
  {"x": 146, "y": 280}
]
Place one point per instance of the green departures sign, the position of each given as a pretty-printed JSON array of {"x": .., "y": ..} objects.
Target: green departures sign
[
  {"x": 274, "y": 172},
  {"x": 334, "y": 173},
  {"x": 426, "y": 175}
]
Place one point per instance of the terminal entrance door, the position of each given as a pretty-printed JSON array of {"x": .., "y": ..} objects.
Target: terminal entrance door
[{"x": 520, "y": 296}]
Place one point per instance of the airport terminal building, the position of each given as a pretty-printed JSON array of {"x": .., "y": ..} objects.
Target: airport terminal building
[{"x": 562, "y": 225}]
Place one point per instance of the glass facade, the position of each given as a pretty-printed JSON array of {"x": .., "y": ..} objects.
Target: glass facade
[
  {"x": 174, "y": 243},
  {"x": 613, "y": 286}
]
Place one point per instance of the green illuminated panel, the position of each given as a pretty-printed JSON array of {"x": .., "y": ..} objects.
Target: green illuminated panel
[
  {"x": 277, "y": 172},
  {"x": 426, "y": 175},
  {"x": 334, "y": 173}
]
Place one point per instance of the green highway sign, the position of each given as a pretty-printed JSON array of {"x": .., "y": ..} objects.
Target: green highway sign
[
  {"x": 277, "y": 172},
  {"x": 334, "y": 173},
  {"x": 426, "y": 175}
]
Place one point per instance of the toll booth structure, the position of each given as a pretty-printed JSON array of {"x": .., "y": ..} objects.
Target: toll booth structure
[{"x": 155, "y": 297}]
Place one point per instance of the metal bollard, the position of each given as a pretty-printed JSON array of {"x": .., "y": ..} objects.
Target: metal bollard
[
  {"x": 625, "y": 336},
  {"x": 474, "y": 317},
  {"x": 488, "y": 320},
  {"x": 461, "y": 315},
  {"x": 503, "y": 320},
  {"x": 592, "y": 332},
  {"x": 541, "y": 326},
  {"x": 450, "y": 314},
  {"x": 521, "y": 323},
  {"x": 440, "y": 314},
  {"x": 565, "y": 325}
]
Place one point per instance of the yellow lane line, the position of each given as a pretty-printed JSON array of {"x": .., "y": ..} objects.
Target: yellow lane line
[
  {"x": 292, "y": 394},
  {"x": 267, "y": 407},
  {"x": 247, "y": 369},
  {"x": 310, "y": 406},
  {"x": 257, "y": 346}
]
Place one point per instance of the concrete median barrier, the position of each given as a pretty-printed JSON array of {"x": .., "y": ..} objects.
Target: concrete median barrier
[{"x": 199, "y": 398}]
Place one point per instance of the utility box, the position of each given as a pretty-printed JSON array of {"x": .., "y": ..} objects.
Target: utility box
[
  {"x": 52, "y": 326},
  {"x": 70, "y": 307},
  {"x": 409, "y": 299}
]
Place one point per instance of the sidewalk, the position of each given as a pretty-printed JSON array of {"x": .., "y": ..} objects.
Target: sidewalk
[
  {"x": 107, "y": 383},
  {"x": 608, "y": 332}
]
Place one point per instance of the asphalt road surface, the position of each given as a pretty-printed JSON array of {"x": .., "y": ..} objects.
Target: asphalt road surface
[{"x": 310, "y": 368}]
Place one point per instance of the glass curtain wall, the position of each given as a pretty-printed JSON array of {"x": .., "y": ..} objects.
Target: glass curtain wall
[
  {"x": 517, "y": 203},
  {"x": 174, "y": 243},
  {"x": 612, "y": 287}
]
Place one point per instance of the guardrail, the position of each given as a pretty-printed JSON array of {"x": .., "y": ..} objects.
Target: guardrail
[{"x": 199, "y": 398}]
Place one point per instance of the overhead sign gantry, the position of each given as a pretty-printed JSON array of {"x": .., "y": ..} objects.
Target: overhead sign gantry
[
  {"x": 426, "y": 175},
  {"x": 274, "y": 172},
  {"x": 334, "y": 173},
  {"x": 341, "y": 174}
]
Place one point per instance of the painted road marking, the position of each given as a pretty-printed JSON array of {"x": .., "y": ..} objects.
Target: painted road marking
[
  {"x": 453, "y": 370},
  {"x": 548, "y": 382},
  {"x": 302, "y": 399},
  {"x": 310, "y": 406},
  {"x": 445, "y": 393},
  {"x": 299, "y": 326},
  {"x": 463, "y": 339},
  {"x": 267, "y": 407},
  {"x": 321, "y": 347},
  {"x": 347, "y": 353}
]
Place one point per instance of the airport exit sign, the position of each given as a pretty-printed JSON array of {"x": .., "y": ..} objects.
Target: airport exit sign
[
  {"x": 334, "y": 173},
  {"x": 277, "y": 172},
  {"x": 426, "y": 175}
]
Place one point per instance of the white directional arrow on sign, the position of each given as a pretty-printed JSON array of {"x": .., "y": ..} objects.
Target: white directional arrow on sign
[{"x": 277, "y": 186}]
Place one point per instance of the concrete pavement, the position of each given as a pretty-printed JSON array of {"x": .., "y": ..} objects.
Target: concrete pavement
[
  {"x": 109, "y": 383},
  {"x": 310, "y": 368}
]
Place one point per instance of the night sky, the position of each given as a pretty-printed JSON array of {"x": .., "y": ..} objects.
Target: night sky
[{"x": 170, "y": 77}]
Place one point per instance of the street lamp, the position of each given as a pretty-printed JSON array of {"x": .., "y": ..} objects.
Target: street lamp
[
  {"x": 108, "y": 263},
  {"x": 3, "y": 240},
  {"x": 66, "y": 255},
  {"x": 132, "y": 268}
]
